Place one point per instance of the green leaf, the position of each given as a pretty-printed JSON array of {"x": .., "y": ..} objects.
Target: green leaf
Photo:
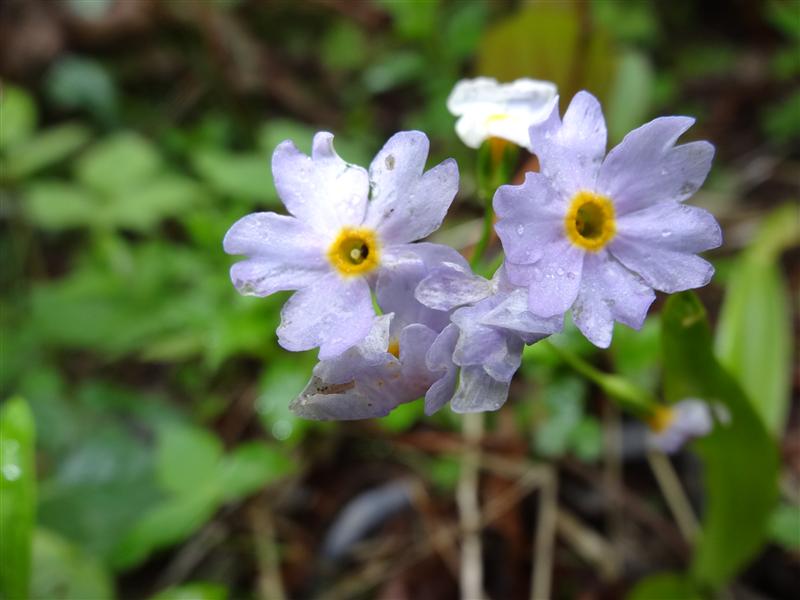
[
  {"x": 240, "y": 176},
  {"x": 631, "y": 95},
  {"x": 784, "y": 526},
  {"x": 18, "y": 116},
  {"x": 164, "y": 525},
  {"x": 404, "y": 417},
  {"x": 187, "y": 458},
  {"x": 63, "y": 571},
  {"x": 18, "y": 491},
  {"x": 740, "y": 457},
  {"x": 119, "y": 163},
  {"x": 665, "y": 586},
  {"x": 146, "y": 205},
  {"x": 45, "y": 149},
  {"x": 563, "y": 402},
  {"x": 281, "y": 382},
  {"x": 249, "y": 467},
  {"x": 637, "y": 354},
  {"x": 196, "y": 590},
  {"x": 56, "y": 205},
  {"x": 74, "y": 82},
  {"x": 412, "y": 20},
  {"x": 754, "y": 332}
]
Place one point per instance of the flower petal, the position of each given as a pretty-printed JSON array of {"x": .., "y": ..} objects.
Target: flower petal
[
  {"x": 571, "y": 151},
  {"x": 451, "y": 285},
  {"x": 415, "y": 341},
  {"x": 608, "y": 293},
  {"x": 407, "y": 204},
  {"x": 531, "y": 216},
  {"x": 322, "y": 401},
  {"x": 647, "y": 168},
  {"x": 553, "y": 281},
  {"x": 478, "y": 391},
  {"x": 285, "y": 254},
  {"x": 513, "y": 314},
  {"x": 321, "y": 190},
  {"x": 659, "y": 244},
  {"x": 332, "y": 313},
  {"x": 439, "y": 360},
  {"x": 358, "y": 360}
]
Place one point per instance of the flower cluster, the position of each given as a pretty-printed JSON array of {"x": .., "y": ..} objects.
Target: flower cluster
[{"x": 396, "y": 319}]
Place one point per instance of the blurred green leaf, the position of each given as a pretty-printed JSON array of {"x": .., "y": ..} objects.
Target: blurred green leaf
[
  {"x": 76, "y": 82},
  {"x": 143, "y": 207},
  {"x": 196, "y": 590},
  {"x": 241, "y": 176},
  {"x": 784, "y": 526},
  {"x": 631, "y": 95},
  {"x": 586, "y": 440},
  {"x": 344, "y": 47},
  {"x": 412, "y": 20},
  {"x": 62, "y": 571},
  {"x": 393, "y": 70},
  {"x": 547, "y": 41},
  {"x": 187, "y": 458},
  {"x": 665, "y": 586},
  {"x": 249, "y": 467},
  {"x": 781, "y": 121},
  {"x": 281, "y": 382},
  {"x": 18, "y": 116},
  {"x": 740, "y": 457},
  {"x": 404, "y": 417},
  {"x": 55, "y": 205},
  {"x": 637, "y": 354},
  {"x": 563, "y": 404},
  {"x": 18, "y": 491},
  {"x": 464, "y": 27},
  {"x": 754, "y": 332},
  {"x": 120, "y": 163},
  {"x": 630, "y": 21},
  {"x": 45, "y": 149}
]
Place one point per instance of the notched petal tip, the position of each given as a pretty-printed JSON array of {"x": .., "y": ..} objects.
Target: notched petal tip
[{"x": 322, "y": 146}]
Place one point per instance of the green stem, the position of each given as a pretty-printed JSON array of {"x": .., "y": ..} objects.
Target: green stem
[
  {"x": 486, "y": 234},
  {"x": 627, "y": 394}
]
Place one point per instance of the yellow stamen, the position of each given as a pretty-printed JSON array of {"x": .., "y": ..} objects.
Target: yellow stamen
[
  {"x": 590, "y": 222},
  {"x": 355, "y": 251},
  {"x": 394, "y": 347},
  {"x": 661, "y": 418}
]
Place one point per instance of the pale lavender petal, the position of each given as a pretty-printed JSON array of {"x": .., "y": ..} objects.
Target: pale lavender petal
[
  {"x": 321, "y": 190},
  {"x": 403, "y": 267},
  {"x": 415, "y": 341},
  {"x": 570, "y": 152},
  {"x": 646, "y": 167},
  {"x": 452, "y": 285},
  {"x": 609, "y": 292},
  {"x": 513, "y": 314},
  {"x": 553, "y": 281},
  {"x": 531, "y": 216},
  {"x": 659, "y": 244},
  {"x": 285, "y": 254},
  {"x": 478, "y": 391},
  {"x": 322, "y": 401},
  {"x": 333, "y": 314},
  {"x": 692, "y": 419},
  {"x": 358, "y": 360},
  {"x": 407, "y": 204},
  {"x": 439, "y": 360}
]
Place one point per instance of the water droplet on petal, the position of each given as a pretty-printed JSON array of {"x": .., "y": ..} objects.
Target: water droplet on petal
[
  {"x": 665, "y": 233},
  {"x": 520, "y": 229},
  {"x": 560, "y": 272}
]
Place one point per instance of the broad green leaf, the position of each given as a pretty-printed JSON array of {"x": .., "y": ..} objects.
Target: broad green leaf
[
  {"x": 82, "y": 83},
  {"x": 412, "y": 20},
  {"x": 249, "y": 467},
  {"x": 631, "y": 95},
  {"x": 740, "y": 457},
  {"x": 18, "y": 493},
  {"x": 665, "y": 586},
  {"x": 56, "y": 205},
  {"x": 545, "y": 40},
  {"x": 168, "y": 523},
  {"x": 45, "y": 149},
  {"x": 637, "y": 354},
  {"x": 404, "y": 417},
  {"x": 196, "y": 590},
  {"x": 62, "y": 571},
  {"x": 143, "y": 207},
  {"x": 784, "y": 526},
  {"x": 563, "y": 404},
  {"x": 281, "y": 382},
  {"x": 18, "y": 116},
  {"x": 121, "y": 163},
  {"x": 393, "y": 70},
  {"x": 240, "y": 176},
  {"x": 344, "y": 47},
  {"x": 754, "y": 332},
  {"x": 188, "y": 457}
]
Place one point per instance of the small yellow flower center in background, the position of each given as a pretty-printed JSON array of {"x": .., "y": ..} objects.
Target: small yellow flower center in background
[
  {"x": 661, "y": 418},
  {"x": 589, "y": 222},
  {"x": 394, "y": 347},
  {"x": 497, "y": 117},
  {"x": 355, "y": 251}
]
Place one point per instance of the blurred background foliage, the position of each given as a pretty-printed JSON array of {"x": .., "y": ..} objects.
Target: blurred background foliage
[{"x": 147, "y": 448}]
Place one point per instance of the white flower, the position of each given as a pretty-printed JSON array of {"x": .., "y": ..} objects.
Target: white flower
[
  {"x": 672, "y": 426},
  {"x": 487, "y": 108}
]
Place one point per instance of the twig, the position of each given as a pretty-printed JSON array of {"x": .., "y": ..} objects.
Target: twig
[
  {"x": 588, "y": 543},
  {"x": 674, "y": 494},
  {"x": 545, "y": 534},
  {"x": 471, "y": 576},
  {"x": 270, "y": 585}
]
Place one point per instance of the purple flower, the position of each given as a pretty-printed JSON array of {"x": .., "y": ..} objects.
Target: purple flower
[
  {"x": 405, "y": 356},
  {"x": 346, "y": 228},
  {"x": 672, "y": 426},
  {"x": 487, "y": 335},
  {"x": 597, "y": 233}
]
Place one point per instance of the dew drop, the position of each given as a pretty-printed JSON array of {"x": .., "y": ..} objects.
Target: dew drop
[
  {"x": 520, "y": 229},
  {"x": 560, "y": 272},
  {"x": 11, "y": 472},
  {"x": 666, "y": 233},
  {"x": 281, "y": 429}
]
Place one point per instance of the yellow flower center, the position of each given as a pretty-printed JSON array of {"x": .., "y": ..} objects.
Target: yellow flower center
[
  {"x": 355, "y": 251},
  {"x": 394, "y": 347},
  {"x": 661, "y": 418},
  {"x": 589, "y": 222},
  {"x": 493, "y": 118}
]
